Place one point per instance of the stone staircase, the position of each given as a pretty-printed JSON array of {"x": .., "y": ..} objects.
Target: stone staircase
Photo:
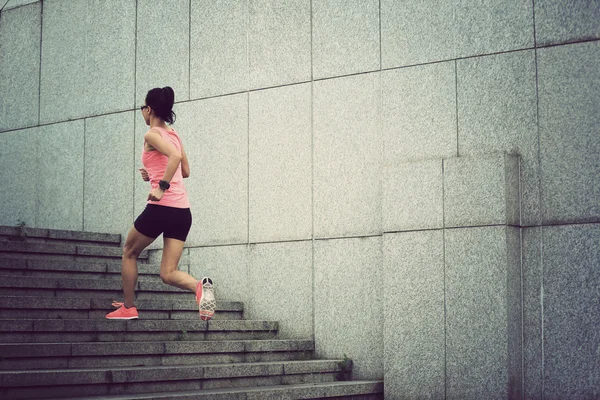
[{"x": 57, "y": 286}]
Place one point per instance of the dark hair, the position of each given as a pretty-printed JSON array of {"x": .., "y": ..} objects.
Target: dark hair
[{"x": 161, "y": 100}]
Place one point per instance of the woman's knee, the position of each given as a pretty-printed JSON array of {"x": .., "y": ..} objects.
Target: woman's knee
[
  {"x": 165, "y": 277},
  {"x": 130, "y": 252}
]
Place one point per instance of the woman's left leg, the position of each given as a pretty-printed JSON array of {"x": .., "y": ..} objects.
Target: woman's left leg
[{"x": 168, "y": 266}]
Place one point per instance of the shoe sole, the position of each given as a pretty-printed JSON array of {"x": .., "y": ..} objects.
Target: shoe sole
[
  {"x": 125, "y": 318},
  {"x": 204, "y": 306}
]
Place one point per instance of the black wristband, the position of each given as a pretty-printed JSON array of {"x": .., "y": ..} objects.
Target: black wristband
[{"x": 164, "y": 185}]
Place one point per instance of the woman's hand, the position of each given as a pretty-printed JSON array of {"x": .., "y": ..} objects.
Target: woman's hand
[
  {"x": 144, "y": 174},
  {"x": 156, "y": 194}
]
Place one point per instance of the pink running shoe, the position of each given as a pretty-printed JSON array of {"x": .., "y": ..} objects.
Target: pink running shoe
[
  {"x": 123, "y": 313},
  {"x": 205, "y": 297}
]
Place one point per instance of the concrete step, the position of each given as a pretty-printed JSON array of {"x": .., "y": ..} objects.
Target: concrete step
[
  {"x": 351, "y": 390},
  {"x": 103, "y": 381},
  {"x": 33, "y": 356},
  {"x": 107, "y": 287},
  {"x": 103, "y": 330},
  {"x": 72, "y": 269},
  {"x": 22, "y": 307},
  {"x": 78, "y": 252},
  {"x": 38, "y": 235}
]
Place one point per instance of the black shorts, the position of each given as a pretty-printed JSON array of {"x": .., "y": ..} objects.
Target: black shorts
[{"x": 170, "y": 221}]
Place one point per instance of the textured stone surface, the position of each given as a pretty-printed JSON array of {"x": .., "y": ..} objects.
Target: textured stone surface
[
  {"x": 90, "y": 73},
  {"x": 483, "y": 314},
  {"x": 532, "y": 312},
  {"x": 481, "y": 190},
  {"x": 16, "y": 3},
  {"x": 414, "y": 332},
  {"x": 413, "y": 32},
  {"x": 569, "y": 94},
  {"x": 497, "y": 106},
  {"x": 413, "y": 196},
  {"x": 279, "y": 42},
  {"x": 419, "y": 113},
  {"x": 491, "y": 26},
  {"x": 571, "y": 296},
  {"x": 20, "y": 67},
  {"x": 345, "y": 37},
  {"x": 280, "y": 164},
  {"x": 59, "y": 178},
  {"x": 163, "y": 46},
  {"x": 348, "y": 303},
  {"x": 562, "y": 21},
  {"x": 347, "y": 156},
  {"x": 19, "y": 199},
  {"x": 219, "y": 60},
  {"x": 280, "y": 275},
  {"x": 215, "y": 138},
  {"x": 108, "y": 158},
  {"x": 62, "y": 84},
  {"x": 227, "y": 266}
]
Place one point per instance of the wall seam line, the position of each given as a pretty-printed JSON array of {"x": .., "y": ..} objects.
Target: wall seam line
[
  {"x": 40, "y": 74},
  {"x": 444, "y": 284},
  {"x": 190, "y": 50},
  {"x": 248, "y": 126},
  {"x": 312, "y": 172},
  {"x": 83, "y": 180},
  {"x": 456, "y": 104},
  {"x": 541, "y": 219}
]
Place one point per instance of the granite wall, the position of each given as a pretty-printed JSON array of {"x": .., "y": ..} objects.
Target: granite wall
[{"x": 413, "y": 184}]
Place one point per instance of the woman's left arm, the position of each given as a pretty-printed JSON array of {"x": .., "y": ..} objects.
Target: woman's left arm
[{"x": 185, "y": 166}]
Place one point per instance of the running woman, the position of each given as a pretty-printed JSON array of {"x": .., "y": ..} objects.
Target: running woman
[{"x": 167, "y": 212}]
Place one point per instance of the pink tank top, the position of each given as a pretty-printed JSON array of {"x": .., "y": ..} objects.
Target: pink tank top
[{"x": 155, "y": 164}]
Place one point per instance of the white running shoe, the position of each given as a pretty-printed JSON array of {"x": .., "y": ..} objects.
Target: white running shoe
[{"x": 205, "y": 297}]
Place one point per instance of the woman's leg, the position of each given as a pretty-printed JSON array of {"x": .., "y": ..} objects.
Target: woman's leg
[
  {"x": 168, "y": 266},
  {"x": 135, "y": 243}
]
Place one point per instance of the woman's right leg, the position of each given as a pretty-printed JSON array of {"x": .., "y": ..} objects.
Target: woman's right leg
[{"x": 135, "y": 243}]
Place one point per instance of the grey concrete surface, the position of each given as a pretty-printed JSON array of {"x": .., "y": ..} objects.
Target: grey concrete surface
[
  {"x": 532, "y": 312},
  {"x": 413, "y": 196},
  {"x": 280, "y": 174},
  {"x": 59, "y": 178},
  {"x": 20, "y": 36},
  {"x": 227, "y": 266},
  {"x": 462, "y": 29},
  {"x": 571, "y": 290},
  {"x": 20, "y": 193},
  {"x": 560, "y": 21},
  {"x": 163, "y": 46},
  {"x": 218, "y": 47},
  {"x": 279, "y": 41},
  {"x": 348, "y": 303},
  {"x": 481, "y": 190},
  {"x": 414, "y": 315},
  {"x": 569, "y": 94},
  {"x": 347, "y": 156},
  {"x": 497, "y": 111},
  {"x": 419, "y": 113},
  {"x": 108, "y": 173},
  {"x": 345, "y": 37},
  {"x": 483, "y": 318},
  {"x": 280, "y": 275},
  {"x": 215, "y": 137}
]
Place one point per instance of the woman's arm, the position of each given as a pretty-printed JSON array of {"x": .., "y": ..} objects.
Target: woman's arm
[
  {"x": 185, "y": 166},
  {"x": 155, "y": 140}
]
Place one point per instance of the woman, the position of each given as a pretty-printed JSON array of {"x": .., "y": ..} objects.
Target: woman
[{"x": 167, "y": 212}]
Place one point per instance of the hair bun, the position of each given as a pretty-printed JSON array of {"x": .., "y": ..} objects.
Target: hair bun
[{"x": 168, "y": 96}]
